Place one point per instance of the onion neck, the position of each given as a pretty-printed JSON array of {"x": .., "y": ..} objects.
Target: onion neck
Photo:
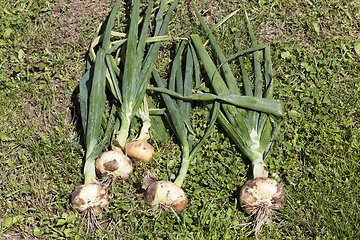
[
  {"x": 123, "y": 133},
  {"x": 89, "y": 171},
  {"x": 146, "y": 122},
  {"x": 257, "y": 160},
  {"x": 259, "y": 170},
  {"x": 144, "y": 133},
  {"x": 184, "y": 166}
]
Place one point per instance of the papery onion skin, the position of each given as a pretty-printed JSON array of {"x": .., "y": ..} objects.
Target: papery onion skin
[
  {"x": 165, "y": 193},
  {"x": 139, "y": 149},
  {"x": 261, "y": 191},
  {"x": 90, "y": 196},
  {"x": 114, "y": 164}
]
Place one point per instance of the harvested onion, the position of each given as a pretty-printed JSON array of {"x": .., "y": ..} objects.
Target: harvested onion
[
  {"x": 114, "y": 165},
  {"x": 163, "y": 194},
  {"x": 90, "y": 199},
  {"x": 260, "y": 197},
  {"x": 139, "y": 149},
  {"x": 90, "y": 196}
]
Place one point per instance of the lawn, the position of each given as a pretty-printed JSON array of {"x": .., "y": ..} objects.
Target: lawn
[{"x": 315, "y": 49}]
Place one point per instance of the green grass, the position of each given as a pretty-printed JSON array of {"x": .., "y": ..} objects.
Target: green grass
[{"x": 316, "y": 154}]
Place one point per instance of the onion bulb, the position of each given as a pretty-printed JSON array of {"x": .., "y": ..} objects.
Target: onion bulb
[
  {"x": 163, "y": 194},
  {"x": 114, "y": 165},
  {"x": 90, "y": 196},
  {"x": 260, "y": 197},
  {"x": 90, "y": 199},
  {"x": 139, "y": 149}
]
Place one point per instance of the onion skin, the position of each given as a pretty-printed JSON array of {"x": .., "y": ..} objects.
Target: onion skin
[
  {"x": 114, "y": 164},
  {"x": 165, "y": 193},
  {"x": 261, "y": 191},
  {"x": 90, "y": 196},
  {"x": 139, "y": 149}
]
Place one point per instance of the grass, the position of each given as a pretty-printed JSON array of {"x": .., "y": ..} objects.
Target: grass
[{"x": 316, "y": 155}]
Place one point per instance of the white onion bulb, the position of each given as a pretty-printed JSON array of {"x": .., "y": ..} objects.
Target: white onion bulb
[
  {"x": 261, "y": 191},
  {"x": 90, "y": 196},
  {"x": 114, "y": 164},
  {"x": 260, "y": 197},
  {"x": 164, "y": 194}
]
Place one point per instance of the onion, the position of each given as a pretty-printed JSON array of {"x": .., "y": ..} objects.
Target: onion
[
  {"x": 260, "y": 197},
  {"x": 114, "y": 165},
  {"x": 90, "y": 199},
  {"x": 139, "y": 149},
  {"x": 163, "y": 194},
  {"x": 90, "y": 196}
]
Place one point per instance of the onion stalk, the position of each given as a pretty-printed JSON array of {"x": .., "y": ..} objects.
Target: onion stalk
[
  {"x": 179, "y": 110},
  {"x": 252, "y": 131},
  {"x": 139, "y": 149},
  {"x": 91, "y": 198},
  {"x": 166, "y": 193},
  {"x": 138, "y": 66},
  {"x": 127, "y": 90},
  {"x": 180, "y": 85},
  {"x": 128, "y": 87}
]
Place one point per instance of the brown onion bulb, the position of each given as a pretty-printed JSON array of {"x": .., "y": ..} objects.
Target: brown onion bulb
[
  {"x": 114, "y": 164},
  {"x": 139, "y": 149},
  {"x": 90, "y": 196}
]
